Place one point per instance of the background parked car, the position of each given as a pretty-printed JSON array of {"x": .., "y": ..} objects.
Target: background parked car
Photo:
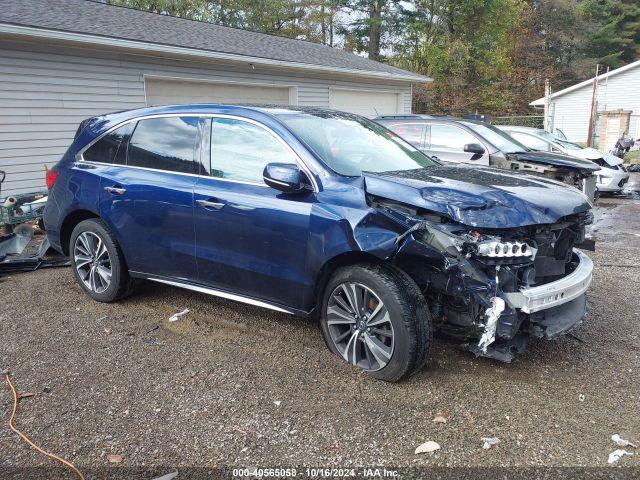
[
  {"x": 612, "y": 175},
  {"x": 455, "y": 140}
]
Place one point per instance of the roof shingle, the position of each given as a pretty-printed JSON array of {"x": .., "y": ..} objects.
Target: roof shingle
[{"x": 93, "y": 18}]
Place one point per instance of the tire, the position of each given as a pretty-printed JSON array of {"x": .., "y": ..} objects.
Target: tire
[
  {"x": 86, "y": 237},
  {"x": 391, "y": 344}
]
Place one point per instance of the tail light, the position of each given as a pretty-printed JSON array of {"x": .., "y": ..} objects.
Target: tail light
[{"x": 50, "y": 177}]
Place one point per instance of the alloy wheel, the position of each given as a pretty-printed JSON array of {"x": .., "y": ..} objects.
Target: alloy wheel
[
  {"x": 92, "y": 262},
  {"x": 360, "y": 326}
]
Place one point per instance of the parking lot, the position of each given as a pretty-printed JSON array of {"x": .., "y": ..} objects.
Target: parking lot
[{"x": 230, "y": 384}]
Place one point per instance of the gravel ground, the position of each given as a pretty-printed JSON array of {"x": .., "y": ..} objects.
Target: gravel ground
[{"x": 234, "y": 385}]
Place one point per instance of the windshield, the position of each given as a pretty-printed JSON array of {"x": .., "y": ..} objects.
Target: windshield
[
  {"x": 350, "y": 145},
  {"x": 499, "y": 139},
  {"x": 559, "y": 140}
]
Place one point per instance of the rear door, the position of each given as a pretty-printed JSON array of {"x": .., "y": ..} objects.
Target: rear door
[
  {"x": 446, "y": 142},
  {"x": 251, "y": 239},
  {"x": 149, "y": 200}
]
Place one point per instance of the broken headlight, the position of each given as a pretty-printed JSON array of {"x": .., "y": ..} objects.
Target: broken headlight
[{"x": 499, "y": 249}]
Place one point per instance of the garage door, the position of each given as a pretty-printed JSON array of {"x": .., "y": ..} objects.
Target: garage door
[
  {"x": 363, "y": 102},
  {"x": 160, "y": 91}
]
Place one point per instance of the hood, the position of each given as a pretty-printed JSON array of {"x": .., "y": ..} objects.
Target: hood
[
  {"x": 593, "y": 154},
  {"x": 557, "y": 160},
  {"x": 482, "y": 197}
]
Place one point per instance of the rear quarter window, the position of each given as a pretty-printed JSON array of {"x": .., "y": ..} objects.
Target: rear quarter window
[
  {"x": 111, "y": 148},
  {"x": 168, "y": 143}
]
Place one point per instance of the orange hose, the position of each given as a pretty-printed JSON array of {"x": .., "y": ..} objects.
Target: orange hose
[{"x": 26, "y": 439}]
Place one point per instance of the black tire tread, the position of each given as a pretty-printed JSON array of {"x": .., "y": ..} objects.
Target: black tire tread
[
  {"x": 416, "y": 318},
  {"x": 125, "y": 284}
]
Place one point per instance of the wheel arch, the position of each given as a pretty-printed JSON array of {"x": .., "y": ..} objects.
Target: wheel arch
[
  {"x": 414, "y": 267},
  {"x": 70, "y": 222}
]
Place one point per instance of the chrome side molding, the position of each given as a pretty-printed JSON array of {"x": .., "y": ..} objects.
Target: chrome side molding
[{"x": 222, "y": 294}]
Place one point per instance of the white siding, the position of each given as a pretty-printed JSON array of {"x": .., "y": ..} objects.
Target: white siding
[
  {"x": 45, "y": 92},
  {"x": 571, "y": 110}
]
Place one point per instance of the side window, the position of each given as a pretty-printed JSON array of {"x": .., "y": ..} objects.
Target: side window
[
  {"x": 411, "y": 132},
  {"x": 167, "y": 143},
  {"x": 450, "y": 138},
  {"x": 531, "y": 141},
  {"x": 240, "y": 150},
  {"x": 111, "y": 148}
]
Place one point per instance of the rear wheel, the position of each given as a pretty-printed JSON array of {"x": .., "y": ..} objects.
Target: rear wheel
[
  {"x": 376, "y": 318},
  {"x": 98, "y": 263}
]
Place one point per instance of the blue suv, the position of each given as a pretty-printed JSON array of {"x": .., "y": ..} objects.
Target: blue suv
[{"x": 326, "y": 214}]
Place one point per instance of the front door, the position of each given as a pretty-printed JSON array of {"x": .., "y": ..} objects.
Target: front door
[
  {"x": 149, "y": 199},
  {"x": 250, "y": 238},
  {"x": 446, "y": 142}
]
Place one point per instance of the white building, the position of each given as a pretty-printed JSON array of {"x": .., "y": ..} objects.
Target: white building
[{"x": 569, "y": 109}]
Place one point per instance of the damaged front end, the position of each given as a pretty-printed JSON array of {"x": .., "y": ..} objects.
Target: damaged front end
[{"x": 493, "y": 289}]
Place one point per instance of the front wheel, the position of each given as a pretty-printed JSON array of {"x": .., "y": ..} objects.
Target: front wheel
[{"x": 376, "y": 318}]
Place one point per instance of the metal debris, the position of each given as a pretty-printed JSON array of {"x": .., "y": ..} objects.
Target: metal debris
[
  {"x": 617, "y": 455},
  {"x": 176, "y": 316},
  {"x": 489, "y": 442},
  {"x": 621, "y": 442},
  {"x": 492, "y": 315}
]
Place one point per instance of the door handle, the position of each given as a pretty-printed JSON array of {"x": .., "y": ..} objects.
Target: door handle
[
  {"x": 115, "y": 190},
  {"x": 209, "y": 204}
]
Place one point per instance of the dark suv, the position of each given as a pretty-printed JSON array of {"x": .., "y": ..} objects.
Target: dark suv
[
  {"x": 315, "y": 212},
  {"x": 457, "y": 140}
]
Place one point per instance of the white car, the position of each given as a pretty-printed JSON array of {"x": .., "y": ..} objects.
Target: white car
[{"x": 612, "y": 174}]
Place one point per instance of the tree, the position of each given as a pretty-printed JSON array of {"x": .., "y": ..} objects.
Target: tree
[
  {"x": 492, "y": 56},
  {"x": 464, "y": 46},
  {"x": 615, "y": 34},
  {"x": 373, "y": 25}
]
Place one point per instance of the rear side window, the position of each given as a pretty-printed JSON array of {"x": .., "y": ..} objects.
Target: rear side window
[
  {"x": 111, "y": 148},
  {"x": 168, "y": 143}
]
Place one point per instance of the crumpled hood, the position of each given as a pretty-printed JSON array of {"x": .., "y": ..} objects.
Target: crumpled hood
[
  {"x": 482, "y": 197},
  {"x": 593, "y": 154},
  {"x": 556, "y": 159}
]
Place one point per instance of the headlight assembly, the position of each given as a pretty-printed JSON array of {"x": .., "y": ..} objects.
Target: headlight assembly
[{"x": 499, "y": 249}]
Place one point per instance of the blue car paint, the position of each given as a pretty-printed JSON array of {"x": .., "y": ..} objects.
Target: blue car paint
[
  {"x": 275, "y": 246},
  {"x": 154, "y": 219}
]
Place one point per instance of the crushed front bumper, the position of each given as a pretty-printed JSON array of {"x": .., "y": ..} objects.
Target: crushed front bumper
[
  {"x": 545, "y": 311},
  {"x": 542, "y": 297}
]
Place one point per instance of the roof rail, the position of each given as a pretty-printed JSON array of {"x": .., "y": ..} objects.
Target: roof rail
[{"x": 402, "y": 117}]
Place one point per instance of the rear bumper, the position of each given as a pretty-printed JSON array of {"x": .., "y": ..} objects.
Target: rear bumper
[{"x": 549, "y": 295}]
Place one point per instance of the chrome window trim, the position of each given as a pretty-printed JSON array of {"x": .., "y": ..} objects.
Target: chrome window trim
[
  {"x": 80, "y": 158},
  {"x": 287, "y": 147}
]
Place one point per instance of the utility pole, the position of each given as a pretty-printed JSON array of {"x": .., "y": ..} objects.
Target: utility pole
[
  {"x": 547, "y": 99},
  {"x": 592, "y": 114}
]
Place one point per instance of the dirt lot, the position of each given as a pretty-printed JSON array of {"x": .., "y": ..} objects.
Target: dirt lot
[{"x": 234, "y": 385}]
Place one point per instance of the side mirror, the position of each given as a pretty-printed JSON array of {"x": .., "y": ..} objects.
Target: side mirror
[
  {"x": 474, "y": 148},
  {"x": 285, "y": 177}
]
